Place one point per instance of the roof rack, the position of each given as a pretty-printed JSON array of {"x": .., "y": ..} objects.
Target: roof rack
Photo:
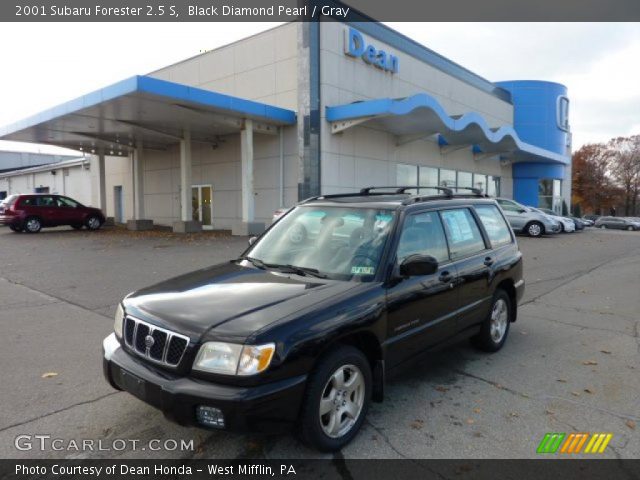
[
  {"x": 448, "y": 192},
  {"x": 402, "y": 189}
]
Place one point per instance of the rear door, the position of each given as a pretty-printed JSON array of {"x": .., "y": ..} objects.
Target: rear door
[
  {"x": 47, "y": 209},
  {"x": 473, "y": 258},
  {"x": 421, "y": 309}
]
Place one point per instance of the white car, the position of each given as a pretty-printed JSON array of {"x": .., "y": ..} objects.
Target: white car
[{"x": 566, "y": 224}]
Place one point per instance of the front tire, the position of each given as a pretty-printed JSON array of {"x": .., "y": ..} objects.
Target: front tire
[
  {"x": 32, "y": 225},
  {"x": 336, "y": 400},
  {"x": 535, "y": 229},
  {"x": 93, "y": 222},
  {"x": 630, "y": 228},
  {"x": 603, "y": 227},
  {"x": 495, "y": 329}
]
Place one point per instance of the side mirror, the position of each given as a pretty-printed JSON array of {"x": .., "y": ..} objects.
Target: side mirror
[
  {"x": 523, "y": 210},
  {"x": 252, "y": 240},
  {"x": 416, "y": 265}
]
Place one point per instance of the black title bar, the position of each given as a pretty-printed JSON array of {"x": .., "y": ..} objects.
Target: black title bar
[{"x": 313, "y": 10}]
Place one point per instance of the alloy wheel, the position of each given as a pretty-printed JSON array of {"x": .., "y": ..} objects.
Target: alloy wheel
[
  {"x": 33, "y": 225},
  {"x": 342, "y": 401},
  {"x": 93, "y": 223},
  {"x": 499, "y": 320},
  {"x": 535, "y": 230}
]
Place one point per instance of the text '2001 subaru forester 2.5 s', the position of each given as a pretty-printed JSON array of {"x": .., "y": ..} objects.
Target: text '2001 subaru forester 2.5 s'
[{"x": 303, "y": 328}]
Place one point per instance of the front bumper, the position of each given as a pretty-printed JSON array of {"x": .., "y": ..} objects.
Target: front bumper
[
  {"x": 272, "y": 407},
  {"x": 552, "y": 227}
]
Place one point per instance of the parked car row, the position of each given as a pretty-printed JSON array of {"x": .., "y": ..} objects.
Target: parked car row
[
  {"x": 30, "y": 213},
  {"x": 536, "y": 222}
]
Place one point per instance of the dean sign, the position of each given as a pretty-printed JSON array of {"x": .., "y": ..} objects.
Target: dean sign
[{"x": 355, "y": 46}]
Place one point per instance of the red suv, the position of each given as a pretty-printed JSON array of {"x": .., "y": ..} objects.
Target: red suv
[{"x": 32, "y": 212}]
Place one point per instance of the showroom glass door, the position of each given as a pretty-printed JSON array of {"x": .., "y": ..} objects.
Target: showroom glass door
[{"x": 202, "y": 205}]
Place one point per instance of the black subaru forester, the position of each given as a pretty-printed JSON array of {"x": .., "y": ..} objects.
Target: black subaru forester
[{"x": 303, "y": 328}]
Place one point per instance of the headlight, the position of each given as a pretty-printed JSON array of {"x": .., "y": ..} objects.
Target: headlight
[
  {"x": 118, "y": 320},
  {"x": 233, "y": 359}
]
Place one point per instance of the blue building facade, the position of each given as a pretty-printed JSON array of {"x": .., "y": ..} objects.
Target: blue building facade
[{"x": 541, "y": 118}]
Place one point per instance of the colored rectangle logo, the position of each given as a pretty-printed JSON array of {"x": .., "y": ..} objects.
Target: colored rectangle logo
[{"x": 574, "y": 443}]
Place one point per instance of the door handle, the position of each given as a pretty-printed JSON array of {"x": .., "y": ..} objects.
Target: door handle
[
  {"x": 445, "y": 277},
  {"x": 488, "y": 261}
]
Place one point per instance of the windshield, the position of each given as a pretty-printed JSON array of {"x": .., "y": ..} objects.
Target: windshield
[{"x": 334, "y": 242}]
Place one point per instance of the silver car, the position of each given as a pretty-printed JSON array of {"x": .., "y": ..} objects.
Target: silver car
[
  {"x": 567, "y": 225},
  {"x": 523, "y": 219}
]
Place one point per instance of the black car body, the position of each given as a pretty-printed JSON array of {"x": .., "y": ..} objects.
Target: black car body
[{"x": 375, "y": 316}]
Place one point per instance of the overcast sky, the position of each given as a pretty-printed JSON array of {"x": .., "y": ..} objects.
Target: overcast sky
[{"x": 46, "y": 64}]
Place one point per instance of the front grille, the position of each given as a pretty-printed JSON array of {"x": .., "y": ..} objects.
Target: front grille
[{"x": 154, "y": 343}]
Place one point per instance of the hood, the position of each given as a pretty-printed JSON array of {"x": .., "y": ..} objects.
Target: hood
[{"x": 229, "y": 300}]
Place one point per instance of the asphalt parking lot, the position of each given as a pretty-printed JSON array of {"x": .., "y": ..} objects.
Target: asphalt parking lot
[{"x": 571, "y": 363}]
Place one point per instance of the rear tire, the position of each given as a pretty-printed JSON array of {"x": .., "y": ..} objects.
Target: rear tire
[
  {"x": 630, "y": 228},
  {"x": 603, "y": 227},
  {"x": 76, "y": 227},
  {"x": 93, "y": 222},
  {"x": 336, "y": 400},
  {"x": 534, "y": 229},
  {"x": 495, "y": 329},
  {"x": 32, "y": 225},
  {"x": 15, "y": 229}
]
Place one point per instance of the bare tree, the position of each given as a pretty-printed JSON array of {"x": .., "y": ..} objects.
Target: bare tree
[{"x": 625, "y": 169}]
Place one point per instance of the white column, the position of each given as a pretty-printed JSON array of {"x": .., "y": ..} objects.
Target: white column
[
  {"x": 185, "y": 178},
  {"x": 246, "y": 153},
  {"x": 138, "y": 187},
  {"x": 102, "y": 182}
]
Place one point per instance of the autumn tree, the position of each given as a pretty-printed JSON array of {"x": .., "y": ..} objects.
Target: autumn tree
[
  {"x": 593, "y": 188},
  {"x": 625, "y": 169}
]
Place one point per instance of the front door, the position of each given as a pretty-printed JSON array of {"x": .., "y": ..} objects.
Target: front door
[
  {"x": 202, "y": 205},
  {"x": 421, "y": 309}
]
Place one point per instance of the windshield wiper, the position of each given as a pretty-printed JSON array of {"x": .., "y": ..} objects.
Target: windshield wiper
[
  {"x": 290, "y": 268},
  {"x": 256, "y": 262},
  {"x": 302, "y": 270}
]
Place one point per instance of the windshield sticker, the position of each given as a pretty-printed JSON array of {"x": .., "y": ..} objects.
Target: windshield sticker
[{"x": 361, "y": 270}]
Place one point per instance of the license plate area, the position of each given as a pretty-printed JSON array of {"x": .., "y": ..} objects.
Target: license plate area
[{"x": 133, "y": 384}]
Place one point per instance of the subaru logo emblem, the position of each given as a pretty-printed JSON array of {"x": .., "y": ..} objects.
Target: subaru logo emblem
[{"x": 149, "y": 341}]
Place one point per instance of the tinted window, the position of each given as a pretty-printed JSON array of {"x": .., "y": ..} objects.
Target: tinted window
[
  {"x": 27, "y": 201},
  {"x": 462, "y": 232},
  {"x": 422, "y": 234},
  {"x": 66, "y": 202},
  {"x": 45, "y": 201},
  {"x": 497, "y": 229}
]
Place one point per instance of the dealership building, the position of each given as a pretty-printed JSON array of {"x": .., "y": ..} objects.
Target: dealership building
[{"x": 223, "y": 139}]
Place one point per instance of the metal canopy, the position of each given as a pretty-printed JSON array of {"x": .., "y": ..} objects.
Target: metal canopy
[
  {"x": 421, "y": 116},
  {"x": 147, "y": 110}
]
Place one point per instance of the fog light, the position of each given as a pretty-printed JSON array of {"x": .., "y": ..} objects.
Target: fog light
[{"x": 210, "y": 416}]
